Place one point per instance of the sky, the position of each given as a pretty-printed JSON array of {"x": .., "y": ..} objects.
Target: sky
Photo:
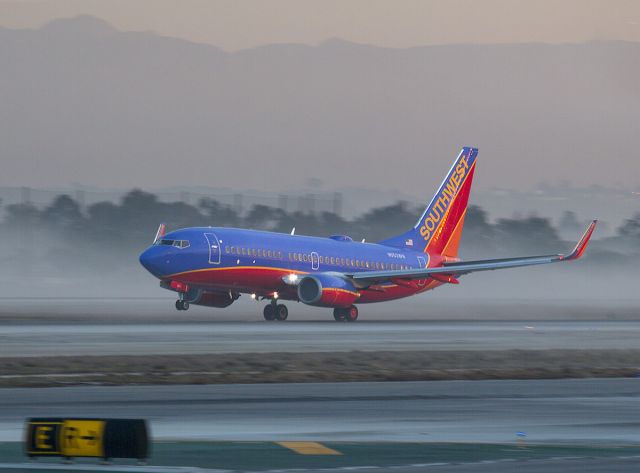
[
  {"x": 587, "y": 101},
  {"x": 239, "y": 24}
]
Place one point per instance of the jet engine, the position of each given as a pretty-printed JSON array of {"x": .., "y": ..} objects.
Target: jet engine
[{"x": 325, "y": 290}]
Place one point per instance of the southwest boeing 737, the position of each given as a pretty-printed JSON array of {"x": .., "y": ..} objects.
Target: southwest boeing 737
[{"x": 213, "y": 266}]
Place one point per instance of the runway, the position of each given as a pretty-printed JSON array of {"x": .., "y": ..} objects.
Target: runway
[
  {"x": 586, "y": 411},
  {"x": 261, "y": 337}
]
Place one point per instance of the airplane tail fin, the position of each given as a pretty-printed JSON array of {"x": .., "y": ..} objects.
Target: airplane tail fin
[{"x": 440, "y": 227}]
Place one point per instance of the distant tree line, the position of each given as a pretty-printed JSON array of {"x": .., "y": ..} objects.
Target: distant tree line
[{"x": 108, "y": 232}]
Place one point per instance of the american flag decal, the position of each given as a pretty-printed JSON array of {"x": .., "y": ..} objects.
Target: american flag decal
[{"x": 409, "y": 242}]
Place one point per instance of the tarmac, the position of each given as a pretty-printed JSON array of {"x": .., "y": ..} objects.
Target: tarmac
[
  {"x": 550, "y": 425},
  {"x": 578, "y": 411},
  {"x": 17, "y": 340}
]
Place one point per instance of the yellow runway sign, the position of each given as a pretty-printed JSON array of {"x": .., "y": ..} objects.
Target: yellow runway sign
[
  {"x": 82, "y": 438},
  {"x": 43, "y": 438},
  {"x": 100, "y": 438}
]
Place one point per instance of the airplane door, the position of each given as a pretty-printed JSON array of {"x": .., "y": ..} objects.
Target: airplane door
[
  {"x": 214, "y": 248},
  {"x": 315, "y": 261},
  {"x": 422, "y": 263}
]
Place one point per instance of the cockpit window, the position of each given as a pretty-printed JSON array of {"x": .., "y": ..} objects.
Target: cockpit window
[{"x": 176, "y": 243}]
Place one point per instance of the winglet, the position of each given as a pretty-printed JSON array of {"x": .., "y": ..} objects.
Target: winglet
[
  {"x": 162, "y": 229},
  {"x": 582, "y": 244}
]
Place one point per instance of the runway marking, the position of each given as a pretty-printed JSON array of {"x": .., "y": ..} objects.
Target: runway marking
[
  {"x": 309, "y": 448},
  {"x": 108, "y": 468}
]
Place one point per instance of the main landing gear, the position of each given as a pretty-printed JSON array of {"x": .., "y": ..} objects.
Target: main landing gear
[
  {"x": 350, "y": 314},
  {"x": 182, "y": 305},
  {"x": 275, "y": 311}
]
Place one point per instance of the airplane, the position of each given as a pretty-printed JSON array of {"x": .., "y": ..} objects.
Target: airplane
[{"x": 213, "y": 266}]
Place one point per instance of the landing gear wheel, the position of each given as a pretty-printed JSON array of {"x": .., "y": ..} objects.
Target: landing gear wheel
[
  {"x": 282, "y": 312},
  {"x": 351, "y": 314},
  {"x": 182, "y": 305},
  {"x": 339, "y": 314},
  {"x": 269, "y": 313}
]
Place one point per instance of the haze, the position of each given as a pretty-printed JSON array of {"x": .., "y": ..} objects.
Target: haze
[
  {"x": 146, "y": 94},
  {"x": 233, "y": 25}
]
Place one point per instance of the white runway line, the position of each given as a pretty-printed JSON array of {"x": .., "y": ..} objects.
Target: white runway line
[{"x": 108, "y": 468}]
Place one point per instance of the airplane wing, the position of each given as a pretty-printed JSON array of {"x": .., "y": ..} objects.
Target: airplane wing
[{"x": 450, "y": 271}]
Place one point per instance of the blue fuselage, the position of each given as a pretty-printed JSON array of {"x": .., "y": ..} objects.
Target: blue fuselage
[{"x": 249, "y": 261}]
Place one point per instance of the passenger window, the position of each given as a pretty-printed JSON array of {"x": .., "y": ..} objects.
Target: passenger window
[
  {"x": 269, "y": 253},
  {"x": 320, "y": 259},
  {"x": 226, "y": 249},
  {"x": 305, "y": 258}
]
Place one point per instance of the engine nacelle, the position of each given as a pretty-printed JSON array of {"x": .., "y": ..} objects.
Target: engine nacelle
[{"x": 325, "y": 290}]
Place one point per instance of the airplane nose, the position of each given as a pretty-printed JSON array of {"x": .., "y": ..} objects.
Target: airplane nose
[
  {"x": 145, "y": 259},
  {"x": 151, "y": 260}
]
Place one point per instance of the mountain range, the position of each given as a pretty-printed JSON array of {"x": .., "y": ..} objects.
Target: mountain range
[{"x": 85, "y": 103}]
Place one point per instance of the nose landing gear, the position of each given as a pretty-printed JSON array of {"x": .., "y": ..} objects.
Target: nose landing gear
[{"x": 182, "y": 305}]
